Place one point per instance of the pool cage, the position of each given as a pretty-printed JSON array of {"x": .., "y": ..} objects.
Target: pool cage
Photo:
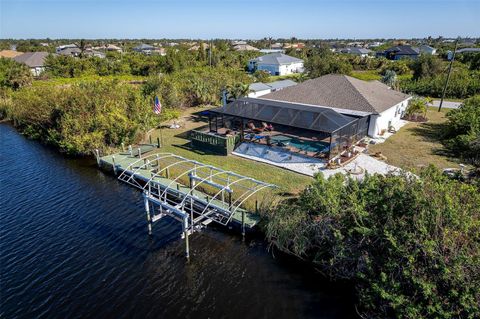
[{"x": 339, "y": 131}]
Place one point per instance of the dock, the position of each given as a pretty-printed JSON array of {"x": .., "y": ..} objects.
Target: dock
[{"x": 193, "y": 193}]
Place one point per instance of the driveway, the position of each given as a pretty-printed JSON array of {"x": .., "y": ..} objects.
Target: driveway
[{"x": 446, "y": 104}]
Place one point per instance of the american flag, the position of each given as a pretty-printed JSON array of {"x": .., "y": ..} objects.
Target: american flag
[{"x": 157, "y": 107}]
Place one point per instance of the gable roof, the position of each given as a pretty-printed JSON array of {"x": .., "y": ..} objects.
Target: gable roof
[
  {"x": 9, "y": 53},
  {"x": 355, "y": 50},
  {"x": 32, "y": 59},
  {"x": 276, "y": 58},
  {"x": 144, "y": 46},
  {"x": 403, "y": 50},
  {"x": 244, "y": 47},
  {"x": 341, "y": 92}
]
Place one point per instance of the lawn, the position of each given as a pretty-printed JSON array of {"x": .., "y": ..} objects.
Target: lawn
[
  {"x": 417, "y": 144},
  {"x": 176, "y": 141}
]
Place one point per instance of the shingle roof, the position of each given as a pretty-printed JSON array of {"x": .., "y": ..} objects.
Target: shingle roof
[
  {"x": 144, "y": 46},
  {"x": 32, "y": 59},
  {"x": 9, "y": 53},
  {"x": 403, "y": 49},
  {"x": 244, "y": 47},
  {"x": 355, "y": 50},
  {"x": 276, "y": 58},
  {"x": 342, "y": 93}
]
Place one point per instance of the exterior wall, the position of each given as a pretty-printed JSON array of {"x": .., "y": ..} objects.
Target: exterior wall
[
  {"x": 283, "y": 69},
  {"x": 390, "y": 116},
  {"x": 36, "y": 71},
  {"x": 258, "y": 93}
]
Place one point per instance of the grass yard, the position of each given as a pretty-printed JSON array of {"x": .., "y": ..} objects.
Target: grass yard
[
  {"x": 417, "y": 144},
  {"x": 176, "y": 141}
]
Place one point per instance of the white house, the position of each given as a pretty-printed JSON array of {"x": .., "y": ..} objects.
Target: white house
[
  {"x": 426, "y": 49},
  {"x": 276, "y": 64},
  {"x": 383, "y": 106},
  {"x": 259, "y": 88},
  {"x": 34, "y": 60}
]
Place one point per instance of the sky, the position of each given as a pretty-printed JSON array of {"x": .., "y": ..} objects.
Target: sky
[{"x": 238, "y": 19}]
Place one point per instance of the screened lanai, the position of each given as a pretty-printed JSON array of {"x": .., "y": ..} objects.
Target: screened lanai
[{"x": 267, "y": 120}]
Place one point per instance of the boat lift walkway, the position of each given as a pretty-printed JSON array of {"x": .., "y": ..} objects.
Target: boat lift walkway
[{"x": 193, "y": 193}]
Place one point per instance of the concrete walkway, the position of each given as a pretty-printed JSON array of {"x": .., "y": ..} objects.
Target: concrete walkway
[{"x": 446, "y": 104}]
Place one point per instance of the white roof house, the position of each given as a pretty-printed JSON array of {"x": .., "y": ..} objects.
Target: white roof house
[
  {"x": 426, "y": 49},
  {"x": 259, "y": 88},
  {"x": 276, "y": 64}
]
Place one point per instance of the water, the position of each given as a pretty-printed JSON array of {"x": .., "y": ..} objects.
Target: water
[
  {"x": 74, "y": 245},
  {"x": 304, "y": 145}
]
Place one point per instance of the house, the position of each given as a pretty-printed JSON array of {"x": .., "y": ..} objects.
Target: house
[
  {"x": 66, "y": 46},
  {"x": 259, "y": 88},
  {"x": 267, "y": 51},
  {"x": 400, "y": 52},
  {"x": 426, "y": 49},
  {"x": 70, "y": 51},
  {"x": 34, "y": 60},
  {"x": 349, "y": 96},
  {"x": 9, "y": 54},
  {"x": 362, "y": 52},
  {"x": 244, "y": 47},
  {"x": 461, "y": 51},
  {"x": 149, "y": 49},
  {"x": 276, "y": 64},
  {"x": 109, "y": 48}
]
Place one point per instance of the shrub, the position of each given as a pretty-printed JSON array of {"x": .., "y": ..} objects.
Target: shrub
[{"x": 411, "y": 245}]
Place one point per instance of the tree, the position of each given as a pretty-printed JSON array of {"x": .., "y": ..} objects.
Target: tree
[
  {"x": 410, "y": 245},
  {"x": 237, "y": 91},
  {"x": 426, "y": 66},
  {"x": 462, "y": 132},
  {"x": 417, "y": 108},
  {"x": 14, "y": 75},
  {"x": 390, "y": 78},
  {"x": 319, "y": 65}
]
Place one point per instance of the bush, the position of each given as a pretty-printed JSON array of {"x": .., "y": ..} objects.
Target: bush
[
  {"x": 79, "y": 118},
  {"x": 462, "y": 135},
  {"x": 411, "y": 245}
]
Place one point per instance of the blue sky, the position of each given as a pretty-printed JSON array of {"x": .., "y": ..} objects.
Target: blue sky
[{"x": 238, "y": 18}]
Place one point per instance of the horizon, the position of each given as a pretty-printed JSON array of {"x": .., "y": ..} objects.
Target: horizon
[{"x": 244, "y": 19}]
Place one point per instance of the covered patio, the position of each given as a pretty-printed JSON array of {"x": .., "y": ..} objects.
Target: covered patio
[{"x": 309, "y": 130}]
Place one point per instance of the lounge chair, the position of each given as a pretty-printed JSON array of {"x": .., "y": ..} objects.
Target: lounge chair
[
  {"x": 251, "y": 126},
  {"x": 267, "y": 127}
]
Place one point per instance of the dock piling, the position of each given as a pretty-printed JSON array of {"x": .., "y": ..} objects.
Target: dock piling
[
  {"x": 114, "y": 165},
  {"x": 185, "y": 230},
  {"x": 147, "y": 210},
  {"x": 158, "y": 142},
  {"x": 97, "y": 155}
]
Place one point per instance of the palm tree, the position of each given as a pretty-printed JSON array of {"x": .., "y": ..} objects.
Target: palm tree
[{"x": 237, "y": 91}]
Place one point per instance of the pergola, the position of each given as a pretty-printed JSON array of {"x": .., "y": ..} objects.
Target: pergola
[{"x": 341, "y": 129}]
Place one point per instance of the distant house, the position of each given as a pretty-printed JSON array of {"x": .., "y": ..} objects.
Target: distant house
[
  {"x": 244, "y": 47},
  {"x": 426, "y": 49},
  {"x": 362, "y": 52},
  {"x": 382, "y": 106},
  {"x": 34, "y": 60},
  {"x": 60, "y": 48},
  {"x": 9, "y": 54},
  {"x": 70, "y": 51},
  {"x": 400, "y": 52},
  {"x": 461, "y": 51},
  {"x": 259, "y": 88},
  {"x": 267, "y": 51},
  {"x": 109, "y": 48},
  {"x": 276, "y": 64},
  {"x": 148, "y": 49}
]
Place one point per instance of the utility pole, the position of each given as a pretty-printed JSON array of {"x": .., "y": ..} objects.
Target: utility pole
[{"x": 448, "y": 76}]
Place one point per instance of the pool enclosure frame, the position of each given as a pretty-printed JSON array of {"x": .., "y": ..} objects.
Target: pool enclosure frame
[{"x": 341, "y": 130}]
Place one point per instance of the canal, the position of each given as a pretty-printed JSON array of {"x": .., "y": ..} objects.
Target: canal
[{"x": 73, "y": 244}]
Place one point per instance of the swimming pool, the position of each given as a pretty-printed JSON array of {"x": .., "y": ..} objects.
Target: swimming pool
[{"x": 309, "y": 146}]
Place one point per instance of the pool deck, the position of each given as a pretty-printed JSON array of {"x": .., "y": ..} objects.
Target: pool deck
[{"x": 120, "y": 162}]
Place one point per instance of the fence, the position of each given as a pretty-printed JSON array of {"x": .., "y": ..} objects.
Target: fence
[{"x": 213, "y": 143}]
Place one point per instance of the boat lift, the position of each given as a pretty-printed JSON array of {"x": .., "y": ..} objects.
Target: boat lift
[{"x": 175, "y": 187}]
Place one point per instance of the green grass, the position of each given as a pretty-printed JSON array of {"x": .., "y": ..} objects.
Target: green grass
[
  {"x": 176, "y": 141},
  {"x": 92, "y": 78},
  {"x": 417, "y": 144},
  {"x": 284, "y": 77},
  {"x": 366, "y": 75}
]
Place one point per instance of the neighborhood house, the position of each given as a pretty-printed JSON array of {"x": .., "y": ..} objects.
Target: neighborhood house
[
  {"x": 34, "y": 60},
  {"x": 276, "y": 64}
]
